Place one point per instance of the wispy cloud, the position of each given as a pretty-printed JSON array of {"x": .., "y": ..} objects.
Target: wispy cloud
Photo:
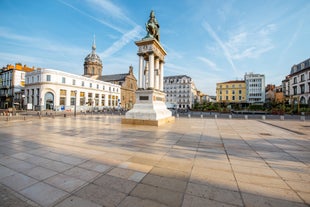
[
  {"x": 227, "y": 54},
  {"x": 112, "y": 26},
  {"x": 209, "y": 63},
  {"x": 39, "y": 43},
  {"x": 250, "y": 44},
  {"x": 124, "y": 40},
  {"x": 113, "y": 10}
]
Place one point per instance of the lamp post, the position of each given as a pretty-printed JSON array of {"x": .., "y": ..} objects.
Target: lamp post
[
  {"x": 75, "y": 92},
  {"x": 23, "y": 100}
]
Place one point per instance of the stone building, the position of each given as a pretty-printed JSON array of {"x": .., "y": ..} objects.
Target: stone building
[
  {"x": 93, "y": 69},
  {"x": 180, "y": 91},
  {"x": 12, "y": 82},
  {"x": 231, "y": 92},
  {"x": 49, "y": 89},
  {"x": 296, "y": 86},
  {"x": 255, "y": 88},
  {"x": 128, "y": 84}
]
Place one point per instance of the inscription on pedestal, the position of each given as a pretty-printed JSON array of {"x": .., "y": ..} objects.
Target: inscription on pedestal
[{"x": 143, "y": 98}]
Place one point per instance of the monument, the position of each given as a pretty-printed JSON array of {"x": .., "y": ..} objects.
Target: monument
[{"x": 150, "y": 107}]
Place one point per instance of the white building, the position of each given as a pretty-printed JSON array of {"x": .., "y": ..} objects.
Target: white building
[
  {"x": 12, "y": 81},
  {"x": 57, "y": 90},
  {"x": 255, "y": 88},
  {"x": 297, "y": 84},
  {"x": 180, "y": 91}
]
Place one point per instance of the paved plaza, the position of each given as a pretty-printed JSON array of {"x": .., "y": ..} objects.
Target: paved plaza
[{"x": 94, "y": 160}]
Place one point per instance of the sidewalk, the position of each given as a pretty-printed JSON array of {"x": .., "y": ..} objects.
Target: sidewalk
[{"x": 96, "y": 161}]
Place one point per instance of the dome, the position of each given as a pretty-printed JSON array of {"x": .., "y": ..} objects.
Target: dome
[{"x": 93, "y": 57}]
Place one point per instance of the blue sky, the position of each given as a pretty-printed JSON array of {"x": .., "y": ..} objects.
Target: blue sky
[{"x": 209, "y": 40}]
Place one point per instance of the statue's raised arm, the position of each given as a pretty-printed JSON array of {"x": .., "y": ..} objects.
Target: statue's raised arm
[{"x": 152, "y": 27}]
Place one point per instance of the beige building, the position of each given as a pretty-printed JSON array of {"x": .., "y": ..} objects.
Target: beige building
[
  {"x": 128, "y": 84},
  {"x": 231, "y": 92}
]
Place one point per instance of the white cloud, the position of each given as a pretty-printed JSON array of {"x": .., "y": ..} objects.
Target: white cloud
[
  {"x": 113, "y": 10},
  {"x": 211, "y": 64},
  {"x": 250, "y": 44},
  {"x": 124, "y": 40},
  {"x": 226, "y": 51}
]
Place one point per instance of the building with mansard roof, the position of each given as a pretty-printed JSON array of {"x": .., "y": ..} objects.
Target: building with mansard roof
[{"x": 180, "y": 91}]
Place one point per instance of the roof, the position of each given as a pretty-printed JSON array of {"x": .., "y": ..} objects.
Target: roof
[
  {"x": 114, "y": 77},
  {"x": 300, "y": 66},
  {"x": 176, "y": 76},
  {"x": 235, "y": 81}
]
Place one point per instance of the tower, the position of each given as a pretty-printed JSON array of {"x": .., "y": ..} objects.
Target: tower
[
  {"x": 93, "y": 64},
  {"x": 150, "y": 107}
]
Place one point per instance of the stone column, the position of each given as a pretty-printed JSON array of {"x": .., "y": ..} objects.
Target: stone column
[
  {"x": 161, "y": 76},
  {"x": 140, "y": 82},
  {"x": 156, "y": 79},
  {"x": 145, "y": 77},
  {"x": 151, "y": 70}
]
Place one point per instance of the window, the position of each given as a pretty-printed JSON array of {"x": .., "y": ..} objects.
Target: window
[
  {"x": 82, "y": 98},
  {"x": 48, "y": 77},
  {"x": 90, "y": 85},
  {"x": 302, "y": 88},
  {"x": 302, "y": 77},
  {"x": 63, "y": 80},
  {"x": 295, "y": 90},
  {"x": 226, "y": 98},
  {"x": 233, "y": 98},
  {"x": 62, "y": 100},
  {"x": 239, "y": 98},
  {"x": 73, "y": 82},
  {"x": 226, "y": 91},
  {"x": 72, "y": 98},
  {"x": 240, "y": 91},
  {"x": 233, "y": 92},
  {"x": 295, "y": 80},
  {"x": 97, "y": 86}
]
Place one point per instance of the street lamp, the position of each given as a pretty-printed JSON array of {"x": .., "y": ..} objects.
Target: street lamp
[
  {"x": 23, "y": 101},
  {"x": 75, "y": 92}
]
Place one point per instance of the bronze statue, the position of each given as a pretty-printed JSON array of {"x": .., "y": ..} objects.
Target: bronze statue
[{"x": 152, "y": 27}]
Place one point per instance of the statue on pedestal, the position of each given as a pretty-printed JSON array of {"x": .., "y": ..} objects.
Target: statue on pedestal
[{"x": 152, "y": 27}]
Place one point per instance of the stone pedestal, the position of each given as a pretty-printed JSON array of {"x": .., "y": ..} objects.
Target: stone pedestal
[{"x": 149, "y": 109}]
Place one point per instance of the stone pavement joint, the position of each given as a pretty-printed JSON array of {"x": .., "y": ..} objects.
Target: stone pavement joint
[{"x": 96, "y": 161}]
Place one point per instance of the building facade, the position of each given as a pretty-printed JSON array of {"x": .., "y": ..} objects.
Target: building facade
[
  {"x": 48, "y": 89},
  {"x": 231, "y": 92},
  {"x": 128, "y": 84},
  {"x": 297, "y": 84},
  {"x": 255, "y": 88},
  {"x": 93, "y": 64},
  {"x": 180, "y": 91},
  {"x": 12, "y": 82}
]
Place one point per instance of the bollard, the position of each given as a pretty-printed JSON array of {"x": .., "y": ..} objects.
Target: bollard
[
  {"x": 245, "y": 116},
  {"x": 215, "y": 116},
  {"x": 189, "y": 115},
  {"x": 65, "y": 115},
  {"x": 24, "y": 118},
  {"x": 230, "y": 117},
  {"x": 201, "y": 116},
  {"x": 263, "y": 117},
  {"x": 282, "y": 118},
  {"x": 302, "y": 118},
  {"x": 177, "y": 115}
]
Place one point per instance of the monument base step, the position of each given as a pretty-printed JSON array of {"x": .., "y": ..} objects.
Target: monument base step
[{"x": 159, "y": 122}]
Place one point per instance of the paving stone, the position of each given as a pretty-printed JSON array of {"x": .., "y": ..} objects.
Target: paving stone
[
  {"x": 74, "y": 201},
  {"x": 95, "y": 166},
  {"x": 43, "y": 194},
  {"x": 214, "y": 193},
  {"x": 39, "y": 173},
  {"x": 81, "y": 173},
  {"x": 138, "y": 202},
  {"x": 18, "y": 181},
  {"x": 193, "y": 201},
  {"x": 136, "y": 166},
  {"x": 165, "y": 172},
  {"x": 127, "y": 174},
  {"x": 102, "y": 195},
  {"x": 4, "y": 172},
  {"x": 257, "y": 200},
  {"x": 164, "y": 182},
  {"x": 10, "y": 198},
  {"x": 116, "y": 183},
  {"x": 167, "y": 197},
  {"x": 65, "y": 182}
]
